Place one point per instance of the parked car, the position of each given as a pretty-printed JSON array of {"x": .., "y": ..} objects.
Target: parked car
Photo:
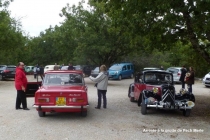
[
  {"x": 85, "y": 68},
  {"x": 95, "y": 72},
  {"x": 176, "y": 71},
  {"x": 48, "y": 67},
  {"x": 64, "y": 67},
  {"x": 206, "y": 80},
  {"x": 155, "y": 89},
  {"x": 60, "y": 91},
  {"x": 121, "y": 70},
  {"x": 151, "y": 68},
  {"x": 7, "y": 71},
  {"x": 29, "y": 69}
]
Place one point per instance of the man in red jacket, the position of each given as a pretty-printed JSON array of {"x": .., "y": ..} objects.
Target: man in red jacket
[{"x": 20, "y": 85}]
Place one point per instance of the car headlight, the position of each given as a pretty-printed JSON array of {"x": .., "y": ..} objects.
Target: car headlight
[{"x": 155, "y": 90}]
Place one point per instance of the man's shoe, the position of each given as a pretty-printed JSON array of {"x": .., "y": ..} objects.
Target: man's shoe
[
  {"x": 97, "y": 107},
  {"x": 26, "y": 109},
  {"x": 19, "y": 108}
]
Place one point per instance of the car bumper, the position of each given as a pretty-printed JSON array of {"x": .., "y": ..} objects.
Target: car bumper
[
  {"x": 8, "y": 75},
  {"x": 65, "y": 107},
  {"x": 177, "y": 81},
  {"x": 206, "y": 83},
  {"x": 176, "y": 107},
  {"x": 113, "y": 76}
]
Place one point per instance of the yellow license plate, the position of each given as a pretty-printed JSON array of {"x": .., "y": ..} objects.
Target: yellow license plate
[{"x": 60, "y": 101}]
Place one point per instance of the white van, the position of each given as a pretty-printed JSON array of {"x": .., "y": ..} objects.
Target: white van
[{"x": 48, "y": 67}]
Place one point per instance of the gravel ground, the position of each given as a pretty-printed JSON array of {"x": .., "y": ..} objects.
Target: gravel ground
[{"x": 122, "y": 120}]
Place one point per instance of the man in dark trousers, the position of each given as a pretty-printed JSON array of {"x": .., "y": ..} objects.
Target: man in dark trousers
[
  {"x": 183, "y": 73},
  {"x": 21, "y": 85}
]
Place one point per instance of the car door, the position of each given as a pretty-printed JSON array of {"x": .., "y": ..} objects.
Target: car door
[
  {"x": 32, "y": 87},
  {"x": 138, "y": 85},
  {"x": 124, "y": 71}
]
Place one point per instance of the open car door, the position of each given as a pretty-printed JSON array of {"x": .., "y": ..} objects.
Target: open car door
[{"x": 32, "y": 87}]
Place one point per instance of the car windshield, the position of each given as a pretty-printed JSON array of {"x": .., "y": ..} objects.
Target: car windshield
[
  {"x": 158, "y": 78},
  {"x": 115, "y": 68},
  {"x": 63, "y": 79}
]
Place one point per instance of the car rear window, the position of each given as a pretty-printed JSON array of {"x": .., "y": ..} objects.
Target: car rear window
[
  {"x": 173, "y": 70},
  {"x": 11, "y": 68},
  {"x": 63, "y": 79},
  {"x": 96, "y": 69}
]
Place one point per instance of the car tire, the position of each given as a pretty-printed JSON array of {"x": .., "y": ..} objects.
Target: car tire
[
  {"x": 120, "y": 77},
  {"x": 187, "y": 112},
  {"x": 143, "y": 107},
  {"x": 41, "y": 114},
  {"x": 84, "y": 113}
]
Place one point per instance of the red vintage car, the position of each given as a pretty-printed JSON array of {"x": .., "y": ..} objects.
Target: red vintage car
[
  {"x": 60, "y": 91},
  {"x": 155, "y": 89}
]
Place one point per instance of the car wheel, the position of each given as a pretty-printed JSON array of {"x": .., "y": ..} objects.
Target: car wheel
[
  {"x": 120, "y": 77},
  {"x": 143, "y": 107},
  {"x": 132, "y": 76},
  {"x": 187, "y": 112},
  {"x": 41, "y": 114},
  {"x": 84, "y": 113}
]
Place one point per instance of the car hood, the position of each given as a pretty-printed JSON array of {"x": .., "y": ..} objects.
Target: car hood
[
  {"x": 112, "y": 71},
  {"x": 62, "y": 88},
  {"x": 150, "y": 87}
]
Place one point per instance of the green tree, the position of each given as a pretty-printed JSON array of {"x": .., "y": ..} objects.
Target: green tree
[
  {"x": 99, "y": 39},
  {"x": 161, "y": 23},
  {"x": 12, "y": 40}
]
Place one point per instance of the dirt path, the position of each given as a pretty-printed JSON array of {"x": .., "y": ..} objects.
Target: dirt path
[{"x": 121, "y": 120}]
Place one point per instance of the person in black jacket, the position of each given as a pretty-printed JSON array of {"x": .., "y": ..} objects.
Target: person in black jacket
[
  {"x": 183, "y": 73},
  {"x": 70, "y": 67},
  {"x": 191, "y": 79}
]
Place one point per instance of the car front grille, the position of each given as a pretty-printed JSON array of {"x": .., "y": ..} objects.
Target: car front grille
[{"x": 168, "y": 94}]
